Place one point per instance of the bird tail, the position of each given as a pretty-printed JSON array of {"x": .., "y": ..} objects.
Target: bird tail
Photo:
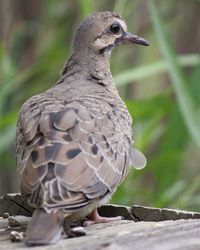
[{"x": 44, "y": 228}]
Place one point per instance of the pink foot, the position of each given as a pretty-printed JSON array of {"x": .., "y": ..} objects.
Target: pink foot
[{"x": 94, "y": 218}]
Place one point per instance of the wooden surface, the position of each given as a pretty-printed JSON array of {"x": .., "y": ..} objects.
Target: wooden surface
[{"x": 144, "y": 228}]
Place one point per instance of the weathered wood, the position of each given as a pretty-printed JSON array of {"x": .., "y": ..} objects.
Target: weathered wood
[
  {"x": 144, "y": 228},
  {"x": 142, "y": 213},
  {"x": 160, "y": 214},
  {"x": 165, "y": 235},
  {"x": 14, "y": 204}
]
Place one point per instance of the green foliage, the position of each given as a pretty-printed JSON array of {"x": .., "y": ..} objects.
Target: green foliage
[
  {"x": 86, "y": 7},
  {"x": 185, "y": 99},
  {"x": 152, "y": 69},
  {"x": 160, "y": 85}
]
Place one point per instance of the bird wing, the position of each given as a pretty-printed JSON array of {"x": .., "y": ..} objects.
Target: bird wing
[{"x": 71, "y": 153}]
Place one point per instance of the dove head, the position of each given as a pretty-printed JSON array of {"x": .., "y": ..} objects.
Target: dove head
[{"x": 101, "y": 32}]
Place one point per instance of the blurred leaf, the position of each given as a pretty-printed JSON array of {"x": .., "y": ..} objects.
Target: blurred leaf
[
  {"x": 86, "y": 7},
  {"x": 195, "y": 80},
  {"x": 184, "y": 97},
  {"x": 7, "y": 137},
  {"x": 8, "y": 119},
  {"x": 150, "y": 131},
  {"x": 120, "y": 6},
  {"x": 7, "y": 70},
  {"x": 166, "y": 164},
  {"x": 148, "y": 113},
  {"x": 152, "y": 69},
  {"x": 188, "y": 193},
  {"x": 146, "y": 108},
  {"x": 173, "y": 192}
]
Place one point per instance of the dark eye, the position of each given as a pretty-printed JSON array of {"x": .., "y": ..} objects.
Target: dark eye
[{"x": 115, "y": 28}]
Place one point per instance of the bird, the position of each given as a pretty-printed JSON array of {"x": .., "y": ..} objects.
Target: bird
[{"x": 74, "y": 142}]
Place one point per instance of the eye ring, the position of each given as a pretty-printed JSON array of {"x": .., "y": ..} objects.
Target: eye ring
[{"x": 115, "y": 28}]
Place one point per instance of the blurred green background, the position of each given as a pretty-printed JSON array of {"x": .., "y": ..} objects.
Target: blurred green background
[{"x": 160, "y": 83}]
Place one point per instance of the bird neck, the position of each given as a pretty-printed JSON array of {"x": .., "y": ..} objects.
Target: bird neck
[{"x": 89, "y": 66}]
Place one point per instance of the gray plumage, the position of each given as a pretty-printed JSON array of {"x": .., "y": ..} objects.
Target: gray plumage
[{"x": 74, "y": 141}]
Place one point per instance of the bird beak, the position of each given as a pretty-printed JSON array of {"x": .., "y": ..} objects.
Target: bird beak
[{"x": 127, "y": 38}]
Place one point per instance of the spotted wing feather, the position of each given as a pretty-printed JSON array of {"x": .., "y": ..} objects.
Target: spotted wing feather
[{"x": 72, "y": 154}]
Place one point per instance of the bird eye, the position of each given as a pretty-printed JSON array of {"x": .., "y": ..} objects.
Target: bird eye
[{"x": 115, "y": 28}]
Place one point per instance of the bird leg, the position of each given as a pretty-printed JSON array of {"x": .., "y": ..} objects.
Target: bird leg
[{"x": 94, "y": 218}]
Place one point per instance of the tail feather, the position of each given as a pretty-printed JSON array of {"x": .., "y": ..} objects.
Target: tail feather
[{"x": 44, "y": 228}]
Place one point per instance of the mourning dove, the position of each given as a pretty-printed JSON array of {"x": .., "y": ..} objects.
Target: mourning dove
[{"x": 74, "y": 141}]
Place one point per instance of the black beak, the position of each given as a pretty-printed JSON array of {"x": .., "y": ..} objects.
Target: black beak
[{"x": 127, "y": 38}]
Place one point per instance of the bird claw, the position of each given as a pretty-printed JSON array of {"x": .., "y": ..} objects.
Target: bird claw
[
  {"x": 95, "y": 218},
  {"x": 76, "y": 232}
]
